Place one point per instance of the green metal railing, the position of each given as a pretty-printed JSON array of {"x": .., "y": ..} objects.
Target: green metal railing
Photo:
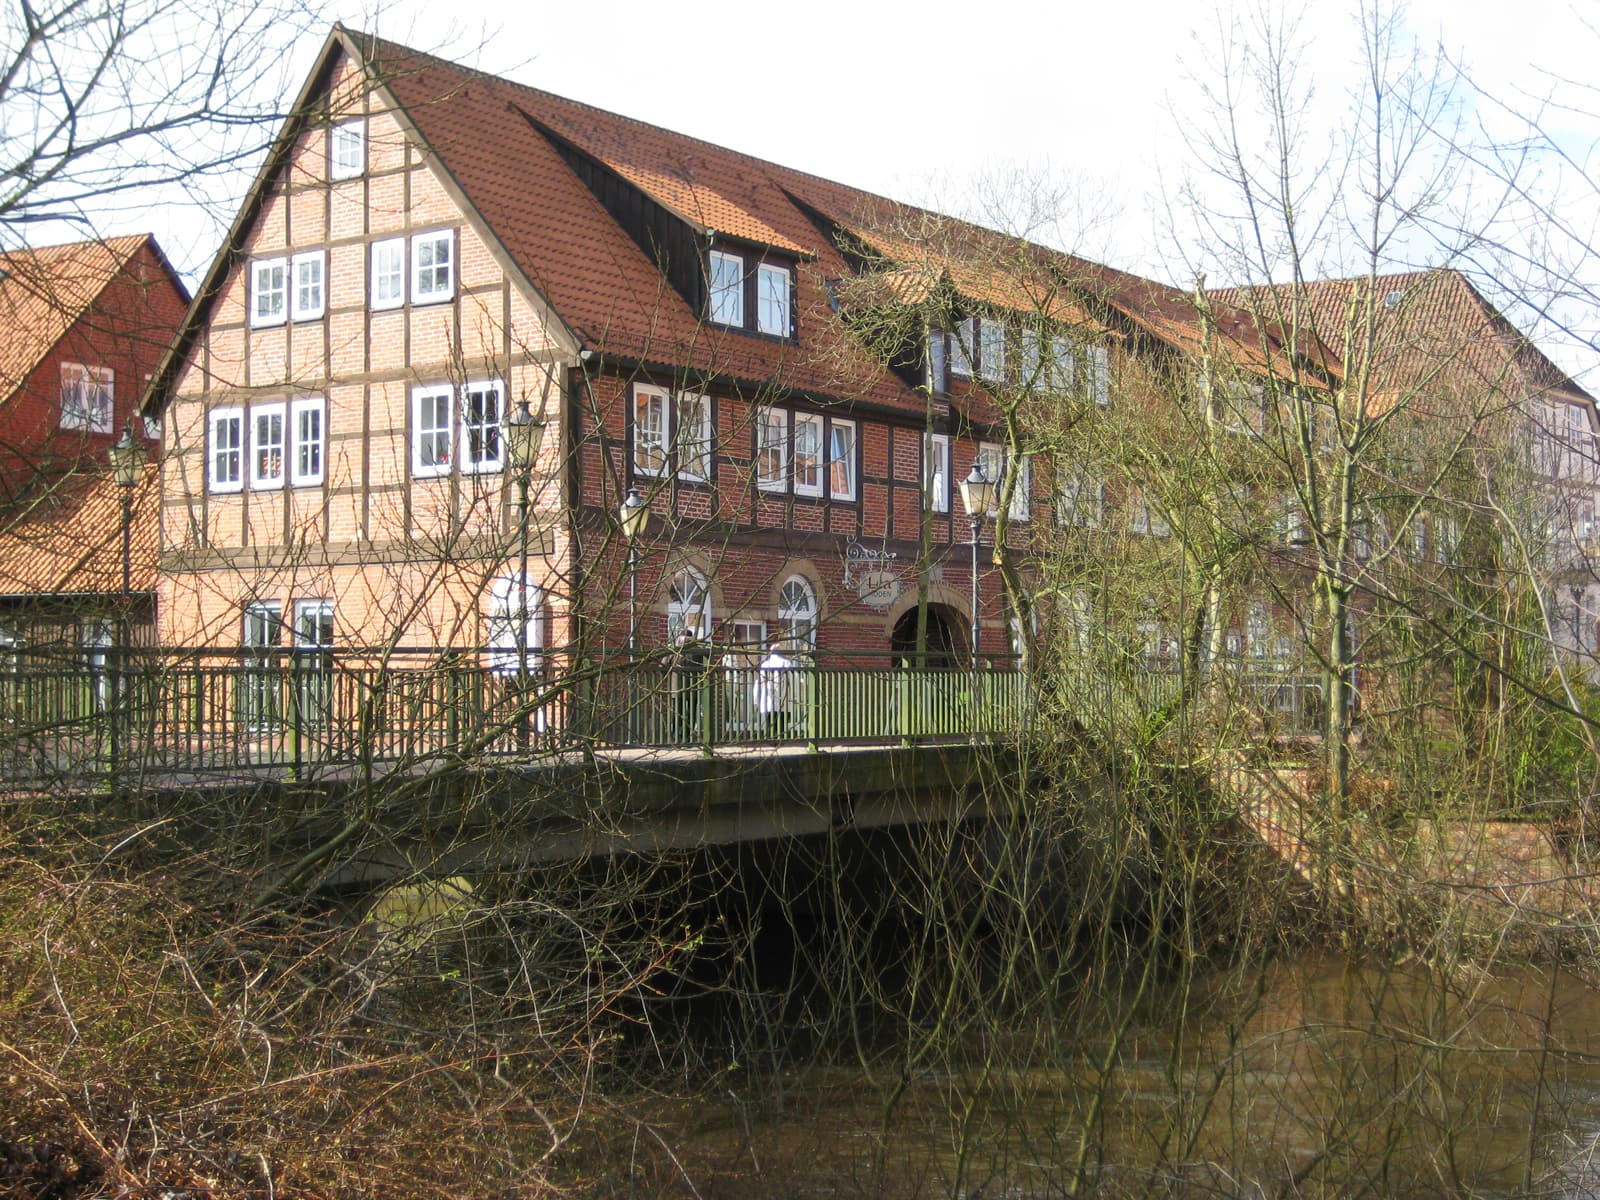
[{"x": 204, "y": 714}]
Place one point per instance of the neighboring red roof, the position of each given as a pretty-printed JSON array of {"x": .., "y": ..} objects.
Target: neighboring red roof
[
  {"x": 1429, "y": 326},
  {"x": 44, "y": 292},
  {"x": 69, "y": 540}
]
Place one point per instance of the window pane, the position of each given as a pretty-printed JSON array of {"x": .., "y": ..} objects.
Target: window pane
[
  {"x": 772, "y": 300},
  {"x": 727, "y": 289},
  {"x": 433, "y": 266},
  {"x": 483, "y": 443},
  {"x": 772, "y": 449},
  {"x": 389, "y": 273},
  {"x": 808, "y": 454},
  {"x": 227, "y": 450},
  {"x": 267, "y": 288},
  {"x": 936, "y": 471},
  {"x": 649, "y": 430},
  {"x": 694, "y": 435},
  {"x": 431, "y": 432},
  {"x": 308, "y": 293},
  {"x": 266, "y": 463},
  {"x": 842, "y": 461},
  {"x": 347, "y": 150},
  {"x": 308, "y": 441}
]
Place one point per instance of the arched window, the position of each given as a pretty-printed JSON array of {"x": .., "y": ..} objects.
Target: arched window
[
  {"x": 797, "y": 615},
  {"x": 689, "y": 605},
  {"x": 516, "y": 624}
]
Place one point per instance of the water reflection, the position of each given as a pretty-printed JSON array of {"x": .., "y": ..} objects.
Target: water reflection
[{"x": 1318, "y": 1077}]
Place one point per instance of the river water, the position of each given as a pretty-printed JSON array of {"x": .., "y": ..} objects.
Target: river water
[{"x": 1315, "y": 1077}]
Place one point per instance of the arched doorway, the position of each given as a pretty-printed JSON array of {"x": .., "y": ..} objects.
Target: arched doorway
[{"x": 947, "y": 641}]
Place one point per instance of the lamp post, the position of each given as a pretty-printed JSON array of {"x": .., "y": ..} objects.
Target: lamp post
[
  {"x": 126, "y": 460},
  {"x": 632, "y": 515},
  {"x": 977, "y": 494},
  {"x": 524, "y": 435}
]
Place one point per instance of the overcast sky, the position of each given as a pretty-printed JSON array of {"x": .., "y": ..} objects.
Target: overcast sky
[{"x": 918, "y": 101}]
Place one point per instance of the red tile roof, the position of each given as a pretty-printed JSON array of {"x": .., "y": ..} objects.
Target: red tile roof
[
  {"x": 69, "y": 539},
  {"x": 1430, "y": 326},
  {"x": 43, "y": 293}
]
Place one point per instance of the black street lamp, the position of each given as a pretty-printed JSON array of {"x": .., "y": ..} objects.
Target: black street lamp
[
  {"x": 977, "y": 497},
  {"x": 633, "y": 514},
  {"x": 524, "y": 434},
  {"x": 127, "y": 459}
]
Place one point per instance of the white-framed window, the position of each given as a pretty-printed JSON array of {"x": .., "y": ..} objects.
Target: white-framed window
[
  {"x": 483, "y": 412},
  {"x": 347, "y": 150},
  {"x": 431, "y": 422},
  {"x": 797, "y": 615},
  {"x": 726, "y": 302},
  {"x": 963, "y": 346},
  {"x": 87, "y": 397},
  {"x": 774, "y": 286},
  {"x": 1080, "y": 500},
  {"x": 992, "y": 461},
  {"x": 388, "y": 273},
  {"x": 309, "y": 271},
  {"x": 259, "y": 695},
  {"x": 268, "y": 291},
  {"x": 515, "y": 622},
  {"x": 1097, "y": 371},
  {"x": 313, "y": 674},
  {"x": 98, "y": 637},
  {"x": 268, "y": 433},
  {"x": 649, "y": 429},
  {"x": 313, "y": 624},
  {"x": 1447, "y": 532},
  {"x": 308, "y": 430},
  {"x": 1030, "y": 367},
  {"x": 1022, "y": 494},
  {"x": 1144, "y": 517},
  {"x": 772, "y": 449},
  {"x": 1419, "y": 538},
  {"x": 991, "y": 348},
  {"x": 842, "y": 459},
  {"x": 1062, "y": 365},
  {"x": 808, "y": 454},
  {"x": 225, "y": 449},
  {"x": 152, "y": 427},
  {"x": 688, "y": 605},
  {"x": 936, "y": 471},
  {"x": 937, "y": 360},
  {"x": 693, "y": 435},
  {"x": 433, "y": 266},
  {"x": 1258, "y": 631}
]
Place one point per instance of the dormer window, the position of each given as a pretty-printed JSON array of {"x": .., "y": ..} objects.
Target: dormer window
[
  {"x": 727, "y": 288},
  {"x": 774, "y": 286},
  {"x": 978, "y": 347},
  {"x": 759, "y": 300}
]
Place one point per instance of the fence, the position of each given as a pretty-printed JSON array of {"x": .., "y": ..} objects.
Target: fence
[{"x": 291, "y": 711}]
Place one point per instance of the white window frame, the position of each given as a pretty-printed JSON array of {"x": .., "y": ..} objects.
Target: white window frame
[
  {"x": 817, "y": 470},
  {"x": 992, "y": 458},
  {"x": 693, "y": 435},
  {"x": 936, "y": 471},
  {"x": 797, "y": 615},
  {"x": 992, "y": 348},
  {"x": 963, "y": 345},
  {"x": 1080, "y": 500},
  {"x": 725, "y": 299},
  {"x": 1022, "y": 495},
  {"x": 772, "y": 438},
  {"x": 278, "y": 311},
  {"x": 435, "y": 292},
  {"x": 688, "y": 595},
  {"x": 774, "y": 292},
  {"x": 231, "y": 454},
  {"x": 276, "y": 472},
  {"x": 1063, "y": 365},
  {"x": 1031, "y": 373},
  {"x": 310, "y": 308},
  {"x": 836, "y": 427},
  {"x": 478, "y": 461},
  {"x": 430, "y": 396},
  {"x": 347, "y": 150},
  {"x": 304, "y": 444},
  {"x": 1097, "y": 372},
  {"x": 392, "y": 272},
  {"x": 650, "y": 447},
  {"x": 94, "y": 398},
  {"x": 511, "y": 597}
]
